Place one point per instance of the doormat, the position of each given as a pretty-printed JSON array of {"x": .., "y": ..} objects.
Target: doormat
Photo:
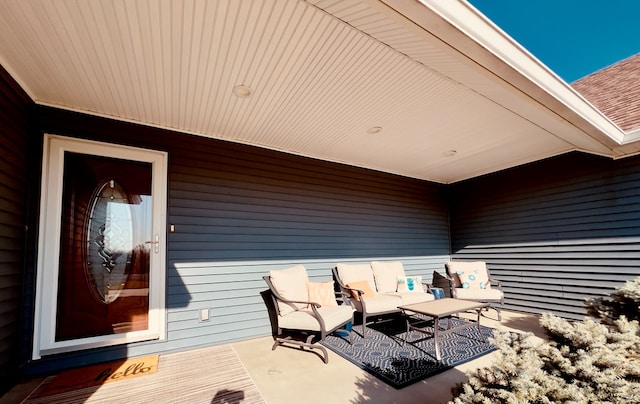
[
  {"x": 386, "y": 355},
  {"x": 213, "y": 375},
  {"x": 97, "y": 375}
]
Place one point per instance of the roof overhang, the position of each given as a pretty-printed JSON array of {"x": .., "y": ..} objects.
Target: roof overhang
[{"x": 454, "y": 96}]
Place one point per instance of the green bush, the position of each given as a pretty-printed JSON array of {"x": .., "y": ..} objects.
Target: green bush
[
  {"x": 581, "y": 362},
  {"x": 624, "y": 301}
]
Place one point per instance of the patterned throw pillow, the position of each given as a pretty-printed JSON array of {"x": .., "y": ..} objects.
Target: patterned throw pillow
[
  {"x": 473, "y": 278},
  {"x": 410, "y": 284},
  {"x": 323, "y": 293}
]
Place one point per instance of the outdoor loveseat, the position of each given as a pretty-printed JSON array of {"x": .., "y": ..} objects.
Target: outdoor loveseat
[{"x": 379, "y": 288}]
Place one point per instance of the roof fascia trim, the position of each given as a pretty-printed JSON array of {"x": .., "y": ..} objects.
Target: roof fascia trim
[
  {"x": 464, "y": 17},
  {"x": 632, "y": 136}
]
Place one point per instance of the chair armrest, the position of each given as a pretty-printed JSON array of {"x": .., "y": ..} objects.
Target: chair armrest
[
  {"x": 312, "y": 304},
  {"x": 344, "y": 288},
  {"x": 452, "y": 285},
  {"x": 428, "y": 286},
  {"x": 283, "y": 300},
  {"x": 342, "y": 296},
  {"x": 495, "y": 282},
  {"x": 314, "y": 308},
  {"x": 359, "y": 292}
]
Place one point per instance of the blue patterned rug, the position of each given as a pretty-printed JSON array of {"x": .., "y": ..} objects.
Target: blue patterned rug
[{"x": 384, "y": 355}]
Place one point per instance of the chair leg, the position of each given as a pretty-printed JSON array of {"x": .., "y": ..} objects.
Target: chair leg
[
  {"x": 307, "y": 344},
  {"x": 499, "y": 313},
  {"x": 364, "y": 325}
]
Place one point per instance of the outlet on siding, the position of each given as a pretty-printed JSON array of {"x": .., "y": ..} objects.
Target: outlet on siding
[{"x": 204, "y": 314}]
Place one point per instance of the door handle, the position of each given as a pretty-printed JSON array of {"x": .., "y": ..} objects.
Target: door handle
[{"x": 156, "y": 243}]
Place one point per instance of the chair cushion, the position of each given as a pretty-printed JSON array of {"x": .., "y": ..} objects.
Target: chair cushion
[
  {"x": 383, "y": 303},
  {"x": 411, "y": 284},
  {"x": 364, "y": 286},
  {"x": 484, "y": 295},
  {"x": 355, "y": 272},
  {"x": 412, "y": 297},
  {"x": 385, "y": 274},
  {"x": 291, "y": 284},
  {"x": 472, "y": 275},
  {"x": 323, "y": 293},
  {"x": 305, "y": 319}
]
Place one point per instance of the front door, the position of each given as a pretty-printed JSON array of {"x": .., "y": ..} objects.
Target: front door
[{"x": 101, "y": 272}]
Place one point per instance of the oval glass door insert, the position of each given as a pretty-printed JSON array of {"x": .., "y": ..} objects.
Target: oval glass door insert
[{"x": 109, "y": 241}]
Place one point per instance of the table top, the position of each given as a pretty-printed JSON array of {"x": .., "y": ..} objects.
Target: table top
[{"x": 443, "y": 307}]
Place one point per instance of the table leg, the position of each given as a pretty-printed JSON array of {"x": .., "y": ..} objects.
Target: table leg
[
  {"x": 478, "y": 322},
  {"x": 408, "y": 330},
  {"x": 436, "y": 335}
]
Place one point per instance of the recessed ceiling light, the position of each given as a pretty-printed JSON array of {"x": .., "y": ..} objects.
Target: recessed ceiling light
[
  {"x": 242, "y": 91},
  {"x": 449, "y": 153},
  {"x": 374, "y": 129}
]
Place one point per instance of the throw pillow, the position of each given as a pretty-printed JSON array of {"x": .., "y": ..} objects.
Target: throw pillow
[
  {"x": 364, "y": 286},
  {"x": 323, "y": 293},
  {"x": 410, "y": 284},
  {"x": 473, "y": 278},
  {"x": 438, "y": 293}
]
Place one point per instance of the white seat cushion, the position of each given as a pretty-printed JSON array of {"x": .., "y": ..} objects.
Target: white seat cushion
[
  {"x": 488, "y": 295},
  {"x": 386, "y": 275},
  {"x": 291, "y": 284},
  {"x": 413, "y": 297},
  {"x": 305, "y": 320},
  {"x": 382, "y": 303}
]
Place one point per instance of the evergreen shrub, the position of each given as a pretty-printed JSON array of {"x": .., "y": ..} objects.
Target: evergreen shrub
[{"x": 596, "y": 360}]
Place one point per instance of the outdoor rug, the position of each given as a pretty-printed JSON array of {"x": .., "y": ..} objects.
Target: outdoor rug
[{"x": 384, "y": 355}]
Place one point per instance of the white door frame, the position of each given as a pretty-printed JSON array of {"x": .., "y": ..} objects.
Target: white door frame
[{"x": 44, "y": 342}]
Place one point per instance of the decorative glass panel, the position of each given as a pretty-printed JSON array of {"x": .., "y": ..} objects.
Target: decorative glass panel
[{"x": 109, "y": 242}]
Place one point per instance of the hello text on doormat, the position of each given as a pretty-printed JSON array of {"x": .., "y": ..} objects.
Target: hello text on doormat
[{"x": 100, "y": 374}]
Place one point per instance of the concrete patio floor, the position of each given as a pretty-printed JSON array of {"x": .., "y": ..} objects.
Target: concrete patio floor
[{"x": 289, "y": 375}]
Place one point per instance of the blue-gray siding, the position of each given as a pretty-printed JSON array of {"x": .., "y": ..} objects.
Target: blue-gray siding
[
  {"x": 239, "y": 211},
  {"x": 14, "y": 125},
  {"x": 555, "y": 232}
]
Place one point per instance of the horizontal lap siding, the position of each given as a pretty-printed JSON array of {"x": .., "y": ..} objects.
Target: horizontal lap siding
[
  {"x": 554, "y": 232},
  {"x": 240, "y": 211},
  {"x": 240, "y": 214},
  {"x": 14, "y": 125}
]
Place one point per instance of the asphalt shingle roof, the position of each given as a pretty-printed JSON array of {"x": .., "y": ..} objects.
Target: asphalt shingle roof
[{"x": 615, "y": 90}]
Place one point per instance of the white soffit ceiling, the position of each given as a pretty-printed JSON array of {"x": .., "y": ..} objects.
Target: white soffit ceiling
[{"x": 322, "y": 73}]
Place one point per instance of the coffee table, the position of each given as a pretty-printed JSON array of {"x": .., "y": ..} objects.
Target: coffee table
[{"x": 439, "y": 309}]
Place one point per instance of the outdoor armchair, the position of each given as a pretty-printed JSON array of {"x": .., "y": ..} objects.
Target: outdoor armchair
[
  {"x": 304, "y": 308},
  {"x": 472, "y": 281}
]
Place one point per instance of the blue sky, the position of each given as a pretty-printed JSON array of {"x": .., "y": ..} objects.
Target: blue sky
[{"x": 574, "y": 38}]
